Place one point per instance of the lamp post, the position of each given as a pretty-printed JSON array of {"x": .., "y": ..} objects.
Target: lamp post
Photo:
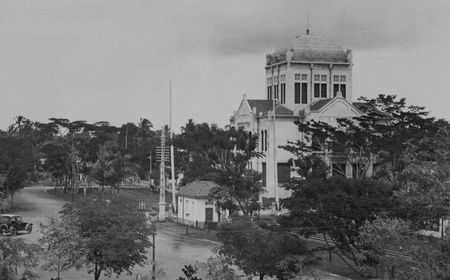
[{"x": 153, "y": 250}]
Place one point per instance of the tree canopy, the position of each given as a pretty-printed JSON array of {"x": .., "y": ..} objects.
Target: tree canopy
[{"x": 115, "y": 235}]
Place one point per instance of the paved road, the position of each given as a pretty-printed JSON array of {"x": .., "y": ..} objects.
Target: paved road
[{"x": 173, "y": 251}]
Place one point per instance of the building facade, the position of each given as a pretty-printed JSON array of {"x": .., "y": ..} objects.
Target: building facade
[
  {"x": 307, "y": 78},
  {"x": 195, "y": 208}
]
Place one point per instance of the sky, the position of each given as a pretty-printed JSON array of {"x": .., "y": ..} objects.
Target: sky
[{"x": 113, "y": 60}]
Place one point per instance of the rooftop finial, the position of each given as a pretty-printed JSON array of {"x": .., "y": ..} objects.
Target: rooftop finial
[{"x": 307, "y": 23}]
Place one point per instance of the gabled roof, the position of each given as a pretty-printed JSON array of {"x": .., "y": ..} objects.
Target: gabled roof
[
  {"x": 261, "y": 105},
  {"x": 281, "y": 110},
  {"x": 198, "y": 189},
  {"x": 323, "y": 105},
  {"x": 319, "y": 104}
]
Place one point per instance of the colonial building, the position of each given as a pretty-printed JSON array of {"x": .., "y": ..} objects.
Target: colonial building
[{"x": 308, "y": 78}]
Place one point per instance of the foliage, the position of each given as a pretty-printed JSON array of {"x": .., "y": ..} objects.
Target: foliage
[
  {"x": 399, "y": 157},
  {"x": 257, "y": 251},
  {"x": 337, "y": 208},
  {"x": 115, "y": 235},
  {"x": 430, "y": 259},
  {"x": 219, "y": 267},
  {"x": 374, "y": 237},
  {"x": 64, "y": 246},
  {"x": 16, "y": 163},
  {"x": 426, "y": 196},
  {"x": 15, "y": 254},
  {"x": 189, "y": 272},
  {"x": 221, "y": 155}
]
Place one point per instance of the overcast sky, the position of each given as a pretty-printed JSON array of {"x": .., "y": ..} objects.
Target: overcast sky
[{"x": 112, "y": 60}]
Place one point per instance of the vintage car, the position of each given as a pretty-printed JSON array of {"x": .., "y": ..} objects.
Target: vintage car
[{"x": 11, "y": 224}]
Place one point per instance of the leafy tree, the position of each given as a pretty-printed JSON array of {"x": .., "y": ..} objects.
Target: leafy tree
[
  {"x": 222, "y": 155},
  {"x": 408, "y": 151},
  {"x": 426, "y": 196},
  {"x": 15, "y": 254},
  {"x": 64, "y": 246},
  {"x": 16, "y": 163},
  {"x": 392, "y": 131},
  {"x": 336, "y": 208},
  {"x": 189, "y": 272},
  {"x": 115, "y": 235},
  {"x": 375, "y": 238},
  {"x": 258, "y": 251},
  {"x": 111, "y": 167},
  {"x": 219, "y": 267}
]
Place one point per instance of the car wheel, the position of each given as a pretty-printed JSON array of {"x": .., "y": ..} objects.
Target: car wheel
[
  {"x": 13, "y": 231},
  {"x": 29, "y": 228}
]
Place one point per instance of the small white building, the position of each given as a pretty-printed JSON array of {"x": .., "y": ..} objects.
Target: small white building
[{"x": 194, "y": 206}]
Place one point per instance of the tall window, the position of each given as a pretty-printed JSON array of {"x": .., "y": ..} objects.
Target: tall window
[
  {"x": 265, "y": 140},
  {"x": 269, "y": 93},
  {"x": 304, "y": 93},
  {"x": 297, "y": 93},
  {"x": 275, "y": 92},
  {"x": 301, "y": 93},
  {"x": 262, "y": 140},
  {"x": 320, "y": 86},
  {"x": 283, "y": 93},
  {"x": 339, "y": 85}
]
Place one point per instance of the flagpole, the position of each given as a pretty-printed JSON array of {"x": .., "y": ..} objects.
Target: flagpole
[{"x": 172, "y": 161}]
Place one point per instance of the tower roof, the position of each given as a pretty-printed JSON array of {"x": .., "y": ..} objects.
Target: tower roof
[{"x": 308, "y": 48}]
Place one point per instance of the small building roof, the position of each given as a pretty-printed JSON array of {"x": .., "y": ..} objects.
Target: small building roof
[
  {"x": 261, "y": 105},
  {"x": 198, "y": 189}
]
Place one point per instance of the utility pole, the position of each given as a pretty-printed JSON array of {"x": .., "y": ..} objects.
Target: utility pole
[
  {"x": 162, "y": 177},
  {"x": 172, "y": 162}
]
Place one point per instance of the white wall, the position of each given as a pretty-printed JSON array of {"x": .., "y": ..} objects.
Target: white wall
[{"x": 192, "y": 211}]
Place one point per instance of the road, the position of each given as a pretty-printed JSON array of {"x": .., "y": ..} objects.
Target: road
[{"x": 173, "y": 251}]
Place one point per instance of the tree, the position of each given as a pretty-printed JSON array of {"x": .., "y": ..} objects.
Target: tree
[
  {"x": 64, "y": 246},
  {"x": 375, "y": 238},
  {"x": 15, "y": 254},
  {"x": 222, "y": 155},
  {"x": 115, "y": 235},
  {"x": 258, "y": 251},
  {"x": 336, "y": 208},
  {"x": 189, "y": 272},
  {"x": 16, "y": 163},
  {"x": 402, "y": 144},
  {"x": 426, "y": 196},
  {"x": 219, "y": 267}
]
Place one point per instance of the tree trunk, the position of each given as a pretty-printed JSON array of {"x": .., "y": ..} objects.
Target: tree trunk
[
  {"x": 97, "y": 272},
  {"x": 261, "y": 276}
]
